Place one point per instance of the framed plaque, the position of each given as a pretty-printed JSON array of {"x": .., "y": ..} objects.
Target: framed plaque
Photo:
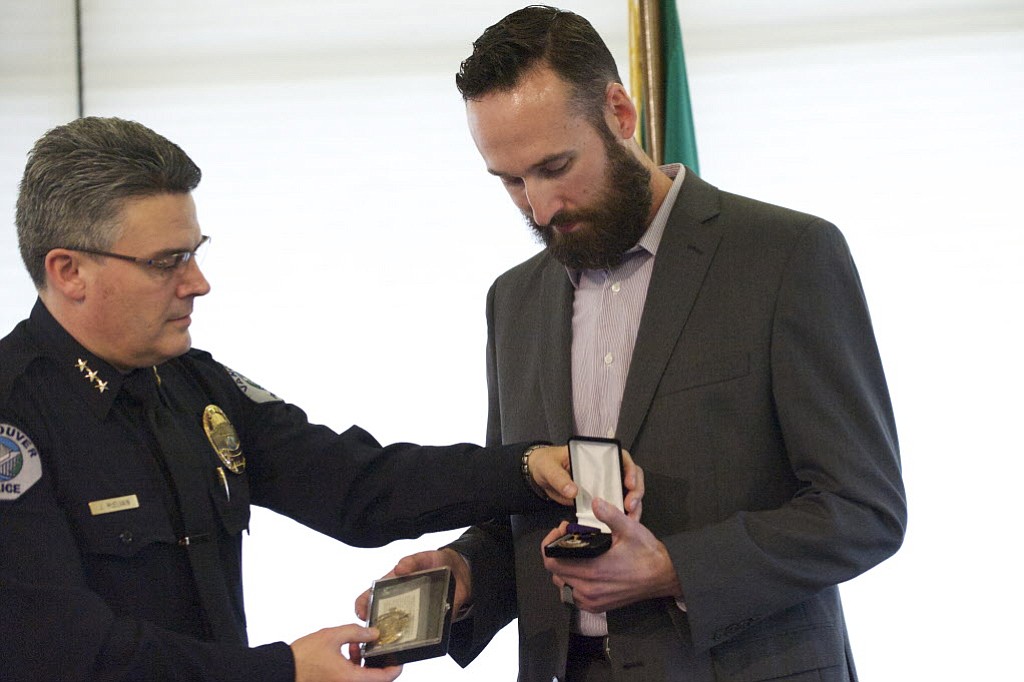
[
  {"x": 414, "y": 616},
  {"x": 596, "y": 467}
]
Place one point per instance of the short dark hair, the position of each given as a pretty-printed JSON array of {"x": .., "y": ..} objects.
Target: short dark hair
[
  {"x": 77, "y": 178},
  {"x": 540, "y": 35}
]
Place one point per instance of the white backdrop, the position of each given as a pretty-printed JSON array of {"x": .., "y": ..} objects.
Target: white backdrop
[{"x": 355, "y": 234}]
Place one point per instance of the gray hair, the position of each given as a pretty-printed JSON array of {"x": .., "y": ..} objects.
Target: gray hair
[{"x": 78, "y": 177}]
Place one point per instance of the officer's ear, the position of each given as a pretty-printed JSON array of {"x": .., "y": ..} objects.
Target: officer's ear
[{"x": 64, "y": 273}]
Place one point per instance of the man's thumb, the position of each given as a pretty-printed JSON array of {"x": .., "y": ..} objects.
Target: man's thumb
[{"x": 610, "y": 515}]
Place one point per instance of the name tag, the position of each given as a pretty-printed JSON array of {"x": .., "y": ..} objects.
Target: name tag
[{"x": 114, "y": 504}]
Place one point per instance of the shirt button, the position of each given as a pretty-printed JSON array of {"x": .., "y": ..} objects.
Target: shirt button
[
  {"x": 608, "y": 359},
  {"x": 616, "y": 287},
  {"x": 126, "y": 537},
  {"x": 610, "y": 433}
]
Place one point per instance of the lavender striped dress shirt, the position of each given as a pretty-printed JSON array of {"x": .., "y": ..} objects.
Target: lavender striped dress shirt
[{"x": 606, "y": 310}]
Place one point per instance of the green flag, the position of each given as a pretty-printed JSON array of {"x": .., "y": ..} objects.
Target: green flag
[
  {"x": 680, "y": 139},
  {"x": 659, "y": 84}
]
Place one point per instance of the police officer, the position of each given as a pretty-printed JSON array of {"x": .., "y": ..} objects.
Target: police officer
[{"x": 128, "y": 461}]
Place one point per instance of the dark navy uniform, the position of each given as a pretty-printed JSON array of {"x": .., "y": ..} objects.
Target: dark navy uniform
[{"x": 119, "y": 561}]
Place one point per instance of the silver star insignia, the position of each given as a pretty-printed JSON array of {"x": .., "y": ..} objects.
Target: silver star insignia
[
  {"x": 101, "y": 385},
  {"x": 81, "y": 365},
  {"x": 91, "y": 375}
]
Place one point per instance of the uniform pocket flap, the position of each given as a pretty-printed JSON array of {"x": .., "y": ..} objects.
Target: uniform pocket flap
[
  {"x": 231, "y": 499},
  {"x": 123, "y": 532}
]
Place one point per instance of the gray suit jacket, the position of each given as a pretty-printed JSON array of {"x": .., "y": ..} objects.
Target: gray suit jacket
[{"x": 757, "y": 406}]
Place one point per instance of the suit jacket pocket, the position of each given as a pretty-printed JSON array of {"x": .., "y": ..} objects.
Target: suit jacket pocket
[
  {"x": 694, "y": 372},
  {"x": 755, "y": 656}
]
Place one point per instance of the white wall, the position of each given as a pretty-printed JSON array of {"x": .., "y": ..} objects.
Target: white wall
[
  {"x": 355, "y": 234},
  {"x": 37, "y": 91}
]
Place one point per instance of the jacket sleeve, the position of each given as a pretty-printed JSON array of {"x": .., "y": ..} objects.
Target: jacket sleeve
[
  {"x": 488, "y": 547},
  {"x": 352, "y": 488},
  {"x": 489, "y": 550},
  {"x": 837, "y": 427},
  {"x": 58, "y": 629}
]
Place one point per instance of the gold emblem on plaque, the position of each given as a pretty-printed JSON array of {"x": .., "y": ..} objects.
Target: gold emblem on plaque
[
  {"x": 224, "y": 439},
  {"x": 392, "y": 625}
]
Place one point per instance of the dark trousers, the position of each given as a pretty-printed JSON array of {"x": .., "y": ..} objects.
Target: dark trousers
[{"x": 587, "y": 660}]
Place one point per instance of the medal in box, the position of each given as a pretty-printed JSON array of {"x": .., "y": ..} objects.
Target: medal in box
[{"x": 596, "y": 467}]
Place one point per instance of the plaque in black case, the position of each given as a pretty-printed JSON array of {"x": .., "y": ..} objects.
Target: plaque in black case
[{"x": 414, "y": 616}]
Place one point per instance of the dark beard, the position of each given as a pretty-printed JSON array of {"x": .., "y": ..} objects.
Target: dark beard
[{"x": 610, "y": 229}]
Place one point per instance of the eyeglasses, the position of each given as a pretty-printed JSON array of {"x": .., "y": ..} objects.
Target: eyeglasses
[{"x": 167, "y": 263}]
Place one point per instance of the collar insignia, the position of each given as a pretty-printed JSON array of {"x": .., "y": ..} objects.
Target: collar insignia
[{"x": 91, "y": 374}]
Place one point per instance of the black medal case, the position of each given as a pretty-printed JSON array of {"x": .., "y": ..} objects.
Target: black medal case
[{"x": 596, "y": 467}]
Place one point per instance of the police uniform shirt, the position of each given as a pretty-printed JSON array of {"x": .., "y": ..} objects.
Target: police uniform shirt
[{"x": 98, "y": 563}]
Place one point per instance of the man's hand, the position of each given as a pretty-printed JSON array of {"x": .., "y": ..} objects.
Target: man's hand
[
  {"x": 318, "y": 657},
  {"x": 549, "y": 468},
  {"x": 637, "y": 566},
  {"x": 422, "y": 561}
]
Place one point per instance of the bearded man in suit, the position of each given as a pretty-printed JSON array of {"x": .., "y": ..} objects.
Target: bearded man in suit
[{"x": 725, "y": 342}]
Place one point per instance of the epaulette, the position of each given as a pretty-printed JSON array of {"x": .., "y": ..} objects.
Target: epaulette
[
  {"x": 16, "y": 355},
  {"x": 249, "y": 388}
]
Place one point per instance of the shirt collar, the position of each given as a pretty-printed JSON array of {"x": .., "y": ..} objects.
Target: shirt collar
[
  {"x": 652, "y": 235},
  {"x": 95, "y": 381}
]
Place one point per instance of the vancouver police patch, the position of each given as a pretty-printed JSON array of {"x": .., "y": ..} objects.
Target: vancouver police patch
[
  {"x": 254, "y": 391},
  {"x": 19, "y": 463}
]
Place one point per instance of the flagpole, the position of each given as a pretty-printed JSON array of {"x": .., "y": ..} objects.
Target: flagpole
[{"x": 653, "y": 79}]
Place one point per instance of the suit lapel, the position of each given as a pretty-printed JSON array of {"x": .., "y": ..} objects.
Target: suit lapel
[
  {"x": 555, "y": 350},
  {"x": 684, "y": 255}
]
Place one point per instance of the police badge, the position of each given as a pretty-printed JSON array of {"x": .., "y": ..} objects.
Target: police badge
[{"x": 224, "y": 439}]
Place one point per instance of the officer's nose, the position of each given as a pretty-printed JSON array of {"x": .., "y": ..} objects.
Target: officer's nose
[{"x": 194, "y": 282}]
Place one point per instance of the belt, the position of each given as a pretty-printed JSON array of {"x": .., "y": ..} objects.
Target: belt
[{"x": 583, "y": 648}]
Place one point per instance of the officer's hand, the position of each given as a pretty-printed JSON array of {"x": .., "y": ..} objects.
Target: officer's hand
[
  {"x": 318, "y": 657},
  {"x": 422, "y": 561},
  {"x": 549, "y": 467}
]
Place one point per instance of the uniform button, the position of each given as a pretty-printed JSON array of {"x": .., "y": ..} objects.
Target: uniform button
[
  {"x": 610, "y": 433},
  {"x": 126, "y": 537},
  {"x": 616, "y": 287},
  {"x": 609, "y": 358}
]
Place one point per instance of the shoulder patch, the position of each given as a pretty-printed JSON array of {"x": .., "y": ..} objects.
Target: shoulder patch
[
  {"x": 19, "y": 462},
  {"x": 251, "y": 389}
]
